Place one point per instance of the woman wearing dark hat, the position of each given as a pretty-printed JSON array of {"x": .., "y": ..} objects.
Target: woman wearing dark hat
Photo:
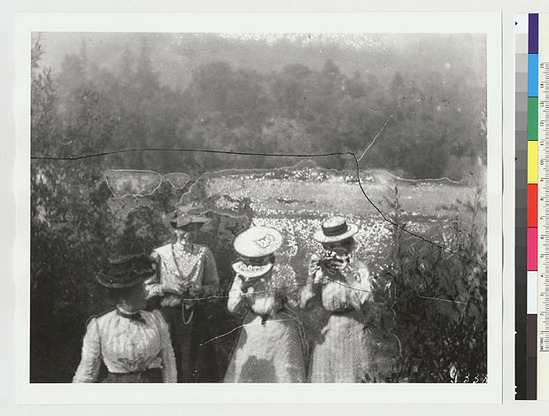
[
  {"x": 132, "y": 343},
  {"x": 187, "y": 276},
  {"x": 343, "y": 284},
  {"x": 269, "y": 348}
]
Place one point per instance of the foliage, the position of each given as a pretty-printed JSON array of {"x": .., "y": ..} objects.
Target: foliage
[
  {"x": 73, "y": 230},
  {"x": 433, "y": 300},
  {"x": 68, "y": 225},
  {"x": 429, "y": 114}
]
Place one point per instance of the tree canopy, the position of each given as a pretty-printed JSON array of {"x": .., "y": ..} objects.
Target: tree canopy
[{"x": 425, "y": 108}]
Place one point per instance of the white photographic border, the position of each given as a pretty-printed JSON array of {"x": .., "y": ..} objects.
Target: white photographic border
[{"x": 488, "y": 23}]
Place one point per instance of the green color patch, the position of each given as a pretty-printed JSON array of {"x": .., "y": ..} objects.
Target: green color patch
[{"x": 532, "y": 118}]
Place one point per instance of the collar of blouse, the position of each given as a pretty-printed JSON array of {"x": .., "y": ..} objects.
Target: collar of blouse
[{"x": 131, "y": 315}]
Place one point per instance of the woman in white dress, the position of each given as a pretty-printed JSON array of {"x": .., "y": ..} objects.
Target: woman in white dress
[
  {"x": 132, "y": 343},
  {"x": 269, "y": 348},
  {"x": 343, "y": 284}
]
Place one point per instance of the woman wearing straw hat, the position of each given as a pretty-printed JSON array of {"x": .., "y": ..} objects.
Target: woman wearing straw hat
[
  {"x": 269, "y": 349},
  {"x": 186, "y": 278},
  {"x": 132, "y": 343},
  {"x": 343, "y": 284}
]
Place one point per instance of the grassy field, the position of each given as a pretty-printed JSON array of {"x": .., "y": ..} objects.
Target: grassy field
[
  {"x": 295, "y": 201},
  {"x": 339, "y": 194}
]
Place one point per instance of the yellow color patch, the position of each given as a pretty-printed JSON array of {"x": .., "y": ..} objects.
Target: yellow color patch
[{"x": 533, "y": 161}]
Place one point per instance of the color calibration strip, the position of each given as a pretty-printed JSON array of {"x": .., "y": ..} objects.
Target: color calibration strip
[
  {"x": 521, "y": 206},
  {"x": 528, "y": 200},
  {"x": 532, "y": 207},
  {"x": 532, "y": 217}
]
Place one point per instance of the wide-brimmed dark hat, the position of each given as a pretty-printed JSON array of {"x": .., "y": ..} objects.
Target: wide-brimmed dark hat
[
  {"x": 255, "y": 247},
  {"x": 335, "y": 229},
  {"x": 181, "y": 218},
  {"x": 126, "y": 271}
]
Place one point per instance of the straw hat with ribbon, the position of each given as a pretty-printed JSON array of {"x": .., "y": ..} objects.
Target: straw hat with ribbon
[
  {"x": 335, "y": 229},
  {"x": 255, "y": 248}
]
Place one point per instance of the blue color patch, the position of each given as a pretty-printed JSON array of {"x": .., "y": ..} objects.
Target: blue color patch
[{"x": 533, "y": 75}]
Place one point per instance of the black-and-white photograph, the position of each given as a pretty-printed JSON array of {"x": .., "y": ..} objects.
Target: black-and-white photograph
[{"x": 258, "y": 207}]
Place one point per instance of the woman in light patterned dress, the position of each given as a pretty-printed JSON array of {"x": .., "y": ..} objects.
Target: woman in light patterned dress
[
  {"x": 343, "y": 284},
  {"x": 187, "y": 277},
  {"x": 269, "y": 348},
  {"x": 132, "y": 343}
]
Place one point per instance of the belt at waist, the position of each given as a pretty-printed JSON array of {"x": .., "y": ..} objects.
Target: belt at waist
[
  {"x": 340, "y": 312},
  {"x": 140, "y": 371},
  {"x": 151, "y": 375}
]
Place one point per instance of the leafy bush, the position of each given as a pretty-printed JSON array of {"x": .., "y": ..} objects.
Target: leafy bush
[{"x": 432, "y": 300}]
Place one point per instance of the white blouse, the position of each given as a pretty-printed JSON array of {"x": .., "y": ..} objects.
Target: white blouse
[
  {"x": 126, "y": 345},
  {"x": 350, "y": 288},
  {"x": 184, "y": 263}
]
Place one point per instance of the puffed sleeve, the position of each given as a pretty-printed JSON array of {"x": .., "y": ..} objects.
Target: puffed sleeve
[
  {"x": 90, "y": 363},
  {"x": 210, "y": 281},
  {"x": 236, "y": 297},
  {"x": 153, "y": 285},
  {"x": 169, "y": 368}
]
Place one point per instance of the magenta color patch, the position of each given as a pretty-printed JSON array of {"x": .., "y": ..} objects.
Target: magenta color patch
[{"x": 532, "y": 248}]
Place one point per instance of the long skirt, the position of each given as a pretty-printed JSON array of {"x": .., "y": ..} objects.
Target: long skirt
[
  {"x": 196, "y": 363},
  {"x": 341, "y": 353},
  {"x": 268, "y": 351}
]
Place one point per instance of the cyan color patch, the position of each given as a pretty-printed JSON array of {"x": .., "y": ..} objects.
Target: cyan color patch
[{"x": 533, "y": 75}]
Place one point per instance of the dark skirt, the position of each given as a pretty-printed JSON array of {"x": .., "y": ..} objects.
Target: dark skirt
[
  {"x": 196, "y": 363},
  {"x": 153, "y": 375}
]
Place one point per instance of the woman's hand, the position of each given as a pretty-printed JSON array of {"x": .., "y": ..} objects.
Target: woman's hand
[
  {"x": 195, "y": 289},
  {"x": 174, "y": 287},
  {"x": 306, "y": 295},
  {"x": 248, "y": 283},
  {"x": 248, "y": 291},
  {"x": 170, "y": 301},
  {"x": 314, "y": 264}
]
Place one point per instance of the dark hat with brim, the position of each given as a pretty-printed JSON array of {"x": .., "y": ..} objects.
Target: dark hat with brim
[
  {"x": 126, "y": 271},
  {"x": 181, "y": 219},
  {"x": 335, "y": 229}
]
